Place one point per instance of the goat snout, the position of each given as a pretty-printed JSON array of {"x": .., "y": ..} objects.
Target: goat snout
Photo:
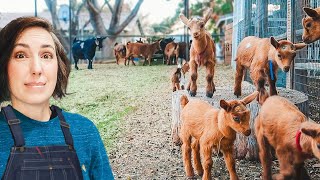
[
  {"x": 306, "y": 39},
  {"x": 286, "y": 68},
  {"x": 196, "y": 34},
  {"x": 247, "y": 132}
]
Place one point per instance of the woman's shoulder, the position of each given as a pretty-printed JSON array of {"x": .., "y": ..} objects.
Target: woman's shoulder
[{"x": 79, "y": 121}]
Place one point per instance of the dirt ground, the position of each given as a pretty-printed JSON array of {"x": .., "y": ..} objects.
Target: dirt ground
[{"x": 144, "y": 149}]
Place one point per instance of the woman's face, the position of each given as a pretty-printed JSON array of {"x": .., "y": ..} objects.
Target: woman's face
[{"x": 33, "y": 67}]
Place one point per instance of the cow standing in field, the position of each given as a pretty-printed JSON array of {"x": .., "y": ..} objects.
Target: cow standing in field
[{"x": 86, "y": 49}]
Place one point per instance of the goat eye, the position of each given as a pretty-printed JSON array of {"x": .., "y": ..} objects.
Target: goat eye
[
  {"x": 236, "y": 119},
  {"x": 279, "y": 56},
  {"x": 308, "y": 25},
  {"x": 201, "y": 26}
]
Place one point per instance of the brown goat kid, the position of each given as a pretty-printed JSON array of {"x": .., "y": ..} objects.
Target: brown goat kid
[
  {"x": 311, "y": 25},
  {"x": 202, "y": 52},
  {"x": 279, "y": 125},
  {"x": 257, "y": 54},
  {"x": 171, "y": 51},
  {"x": 143, "y": 49},
  {"x": 212, "y": 129},
  {"x": 120, "y": 52},
  {"x": 179, "y": 76}
]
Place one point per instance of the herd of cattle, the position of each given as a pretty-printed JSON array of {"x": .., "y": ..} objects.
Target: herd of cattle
[{"x": 279, "y": 125}]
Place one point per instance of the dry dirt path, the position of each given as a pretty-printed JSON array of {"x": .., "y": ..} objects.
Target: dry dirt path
[{"x": 144, "y": 149}]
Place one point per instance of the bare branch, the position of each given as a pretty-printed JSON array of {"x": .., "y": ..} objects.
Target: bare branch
[
  {"x": 129, "y": 18},
  {"x": 109, "y": 6}
]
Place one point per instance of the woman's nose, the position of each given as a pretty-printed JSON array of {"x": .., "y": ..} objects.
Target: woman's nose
[{"x": 36, "y": 66}]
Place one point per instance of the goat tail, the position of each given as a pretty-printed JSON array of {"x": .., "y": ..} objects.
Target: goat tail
[{"x": 184, "y": 101}]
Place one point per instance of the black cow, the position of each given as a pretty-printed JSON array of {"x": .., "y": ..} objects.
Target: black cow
[{"x": 86, "y": 49}]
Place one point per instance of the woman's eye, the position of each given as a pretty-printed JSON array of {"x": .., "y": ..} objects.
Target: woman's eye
[
  {"x": 20, "y": 55},
  {"x": 47, "y": 56}
]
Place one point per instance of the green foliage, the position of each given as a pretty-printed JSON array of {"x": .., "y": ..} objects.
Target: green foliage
[{"x": 221, "y": 7}]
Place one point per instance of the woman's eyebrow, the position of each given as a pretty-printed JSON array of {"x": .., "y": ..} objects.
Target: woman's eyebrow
[{"x": 27, "y": 46}]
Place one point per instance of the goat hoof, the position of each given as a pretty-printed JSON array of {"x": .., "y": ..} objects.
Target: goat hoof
[
  {"x": 192, "y": 94},
  {"x": 209, "y": 94},
  {"x": 182, "y": 87},
  {"x": 191, "y": 177},
  {"x": 237, "y": 94}
]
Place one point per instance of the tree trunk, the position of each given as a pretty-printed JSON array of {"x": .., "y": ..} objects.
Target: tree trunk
[
  {"x": 52, "y": 6},
  {"x": 245, "y": 147}
]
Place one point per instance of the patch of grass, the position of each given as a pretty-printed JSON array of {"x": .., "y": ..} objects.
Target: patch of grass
[{"x": 107, "y": 93}]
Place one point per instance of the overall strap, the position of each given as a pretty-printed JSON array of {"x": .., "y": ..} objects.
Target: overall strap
[
  {"x": 64, "y": 126},
  {"x": 14, "y": 125}
]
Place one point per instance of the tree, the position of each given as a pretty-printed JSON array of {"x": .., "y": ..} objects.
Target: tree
[
  {"x": 220, "y": 7},
  {"x": 115, "y": 26}
]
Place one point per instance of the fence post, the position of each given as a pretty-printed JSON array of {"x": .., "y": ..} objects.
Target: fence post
[{"x": 289, "y": 77}]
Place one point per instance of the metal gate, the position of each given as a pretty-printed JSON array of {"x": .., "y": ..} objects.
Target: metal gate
[{"x": 306, "y": 74}]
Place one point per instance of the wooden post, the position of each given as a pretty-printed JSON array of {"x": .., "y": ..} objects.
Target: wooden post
[{"x": 245, "y": 147}]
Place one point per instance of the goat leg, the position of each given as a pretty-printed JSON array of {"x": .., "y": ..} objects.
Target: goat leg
[
  {"x": 210, "y": 84},
  {"x": 186, "y": 152},
  {"x": 272, "y": 86},
  {"x": 230, "y": 163},
  {"x": 238, "y": 79},
  {"x": 264, "y": 152},
  {"x": 196, "y": 157},
  {"x": 207, "y": 163}
]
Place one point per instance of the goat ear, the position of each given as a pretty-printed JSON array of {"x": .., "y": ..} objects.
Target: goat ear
[
  {"x": 311, "y": 12},
  {"x": 225, "y": 105},
  {"x": 207, "y": 16},
  {"x": 299, "y": 45},
  {"x": 274, "y": 42},
  {"x": 250, "y": 98},
  {"x": 184, "y": 19},
  {"x": 311, "y": 129}
]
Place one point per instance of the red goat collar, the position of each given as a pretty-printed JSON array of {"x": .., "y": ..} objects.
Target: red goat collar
[
  {"x": 200, "y": 56},
  {"x": 298, "y": 135}
]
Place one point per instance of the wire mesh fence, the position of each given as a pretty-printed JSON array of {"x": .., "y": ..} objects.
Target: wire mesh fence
[{"x": 265, "y": 18}]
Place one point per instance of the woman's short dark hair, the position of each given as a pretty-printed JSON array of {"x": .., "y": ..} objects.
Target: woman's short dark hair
[{"x": 8, "y": 37}]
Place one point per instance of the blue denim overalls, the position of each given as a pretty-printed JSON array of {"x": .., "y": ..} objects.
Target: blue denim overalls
[{"x": 43, "y": 162}]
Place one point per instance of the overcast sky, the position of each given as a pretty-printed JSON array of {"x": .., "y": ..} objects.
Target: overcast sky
[{"x": 156, "y": 9}]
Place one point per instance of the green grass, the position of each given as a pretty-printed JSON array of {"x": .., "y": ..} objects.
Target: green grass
[{"x": 109, "y": 92}]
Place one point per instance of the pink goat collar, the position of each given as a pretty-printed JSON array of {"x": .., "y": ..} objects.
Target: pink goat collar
[{"x": 298, "y": 135}]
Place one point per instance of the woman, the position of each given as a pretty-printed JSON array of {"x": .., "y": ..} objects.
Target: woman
[{"x": 38, "y": 141}]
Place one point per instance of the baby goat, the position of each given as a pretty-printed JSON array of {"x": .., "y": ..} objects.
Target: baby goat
[
  {"x": 212, "y": 129},
  {"x": 311, "y": 25},
  {"x": 282, "y": 126},
  {"x": 202, "y": 52},
  {"x": 178, "y": 78},
  {"x": 263, "y": 57}
]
